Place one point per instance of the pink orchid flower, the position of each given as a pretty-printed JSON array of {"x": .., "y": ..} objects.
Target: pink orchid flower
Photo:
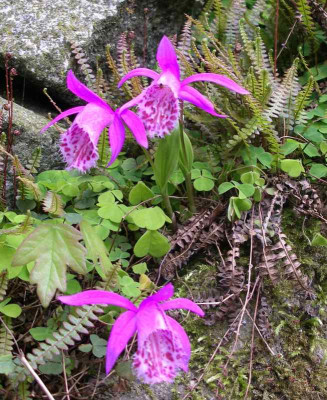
[
  {"x": 163, "y": 345},
  {"x": 79, "y": 143},
  {"x": 158, "y": 104}
]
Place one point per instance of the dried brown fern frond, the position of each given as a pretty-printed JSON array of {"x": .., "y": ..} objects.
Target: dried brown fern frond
[{"x": 197, "y": 233}]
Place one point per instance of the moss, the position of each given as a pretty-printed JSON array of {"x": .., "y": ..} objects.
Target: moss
[{"x": 297, "y": 370}]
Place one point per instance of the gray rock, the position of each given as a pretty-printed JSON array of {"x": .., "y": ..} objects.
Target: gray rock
[
  {"x": 28, "y": 138},
  {"x": 38, "y": 33}
]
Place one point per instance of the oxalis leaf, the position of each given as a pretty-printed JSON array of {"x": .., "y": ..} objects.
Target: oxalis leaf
[{"x": 52, "y": 247}]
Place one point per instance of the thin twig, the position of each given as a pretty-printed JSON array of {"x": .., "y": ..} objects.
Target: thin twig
[
  {"x": 252, "y": 342},
  {"x": 26, "y": 364}
]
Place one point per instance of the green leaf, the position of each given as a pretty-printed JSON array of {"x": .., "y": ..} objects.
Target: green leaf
[
  {"x": 245, "y": 190},
  {"x": 96, "y": 249},
  {"x": 250, "y": 177},
  {"x": 166, "y": 159},
  {"x": 186, "y": 160},
  {"x": 140, "y": 192},
  {"x": 293, "y": 168},
  {"x": 203, "y": 184},
  {"x": 41, "y": 333},
  {"x": 112, "y": 212},
  {"x": 311, "y": 150},
  {"x": 129, "y": 287},
  {"x": 99, "y": 347},
  {"x": 319, "y": 240},
  {"x": 150, "y": 218},
  {"x": 323, "y": 147},
  {"x": 153, "y": 243},
  {"x": 264, "y": 157},
  {"x": 224, "y": 187},
  {"x": 318, "y": 170},
  {"x": 11, "y": 310},
  {"x": 140, "y": 268},
  {"x": 106, "y": 198},
  {"x": 6, "y": 364},
  {"x": 52, "y": 247},
  {"x": 85, "y": 348},
  {"x": 289, "y": 146}
]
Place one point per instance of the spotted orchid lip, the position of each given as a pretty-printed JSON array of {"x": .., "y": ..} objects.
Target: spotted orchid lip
[
  {"x": 163, "y": 345},
  {"x": 79, "y": 143},
  {"x": 153, "y": 114}
]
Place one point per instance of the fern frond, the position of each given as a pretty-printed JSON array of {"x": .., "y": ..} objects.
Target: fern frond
[
  {"x": 30, "y": 189},
  {"x": 52, "y": 204},
  {"x": 82, "y": 62},
  {"x": 184, "y": 43},
  {"x": 235, "y": 12},
  {"x": 300, "y": 116},
  {"x": 220, "y": 18},
  {"x": 3, "y": 284},
  {"x": 282, "y": 98},
  {"x": 103, "y": 149},
  {"x": 34, "y": 162},
  {"x": 6, "y": 340},
  {"x": 68, "y": 334},
  {"x": 305, "y": 11}
]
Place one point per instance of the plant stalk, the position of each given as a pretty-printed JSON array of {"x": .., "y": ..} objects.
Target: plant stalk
[{"x": 187, "y": 174}]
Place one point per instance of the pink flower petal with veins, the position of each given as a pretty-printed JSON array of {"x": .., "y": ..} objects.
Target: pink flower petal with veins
[{"x": 163, "y": 345}]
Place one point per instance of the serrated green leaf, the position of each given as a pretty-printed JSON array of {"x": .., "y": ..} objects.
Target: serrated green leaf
[{"x": 52, "y": 247}]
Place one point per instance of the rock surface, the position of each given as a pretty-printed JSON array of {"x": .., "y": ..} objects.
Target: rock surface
[
  {"x": 38, "y": 34},
  {"x": 28, "y": 138}
]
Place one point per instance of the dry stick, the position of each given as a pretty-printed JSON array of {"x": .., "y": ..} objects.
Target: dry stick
[
  {"x": 252, "y": 342},
  {"x": 26, "y": 364},
  {"x": 65, "y": 376},
  {"x": 288, "y": 37}
]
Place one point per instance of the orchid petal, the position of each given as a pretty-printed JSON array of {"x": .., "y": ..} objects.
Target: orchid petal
[
  {"x": 136, "y": 126},
  {"x": 150, "y": 318},
  {"x": 83, "y": 92},
  {"x": 218, "y": 79},
  {"x": 89, "y": 297},
  {"x": 179, "y": 333},
  {"x": 167, "y": 58},
  {"x": 195, "y": 97},
  {"x": 186, "y": 304},
  {"x": 139, "y": 72},
  {"x": 165, "y": 293},
  {"x": 123, "y": 329},
  {"x": 116, "y": 138},
  {"x": 62, "y": 115}
]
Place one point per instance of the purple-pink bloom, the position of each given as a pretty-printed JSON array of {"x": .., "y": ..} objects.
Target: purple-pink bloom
[
  {"x": 79, "y": 143},
  {"x": 163, "y": 345},
  {"x": 158, "y": 104}
]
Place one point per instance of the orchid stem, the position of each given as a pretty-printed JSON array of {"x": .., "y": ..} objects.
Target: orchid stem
[
  {"x": 167, "y": 204},
  {"x": 148, "y": 157},
  {"x": 187, "y": 174},
  {"x": 164, "y": 195}
]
